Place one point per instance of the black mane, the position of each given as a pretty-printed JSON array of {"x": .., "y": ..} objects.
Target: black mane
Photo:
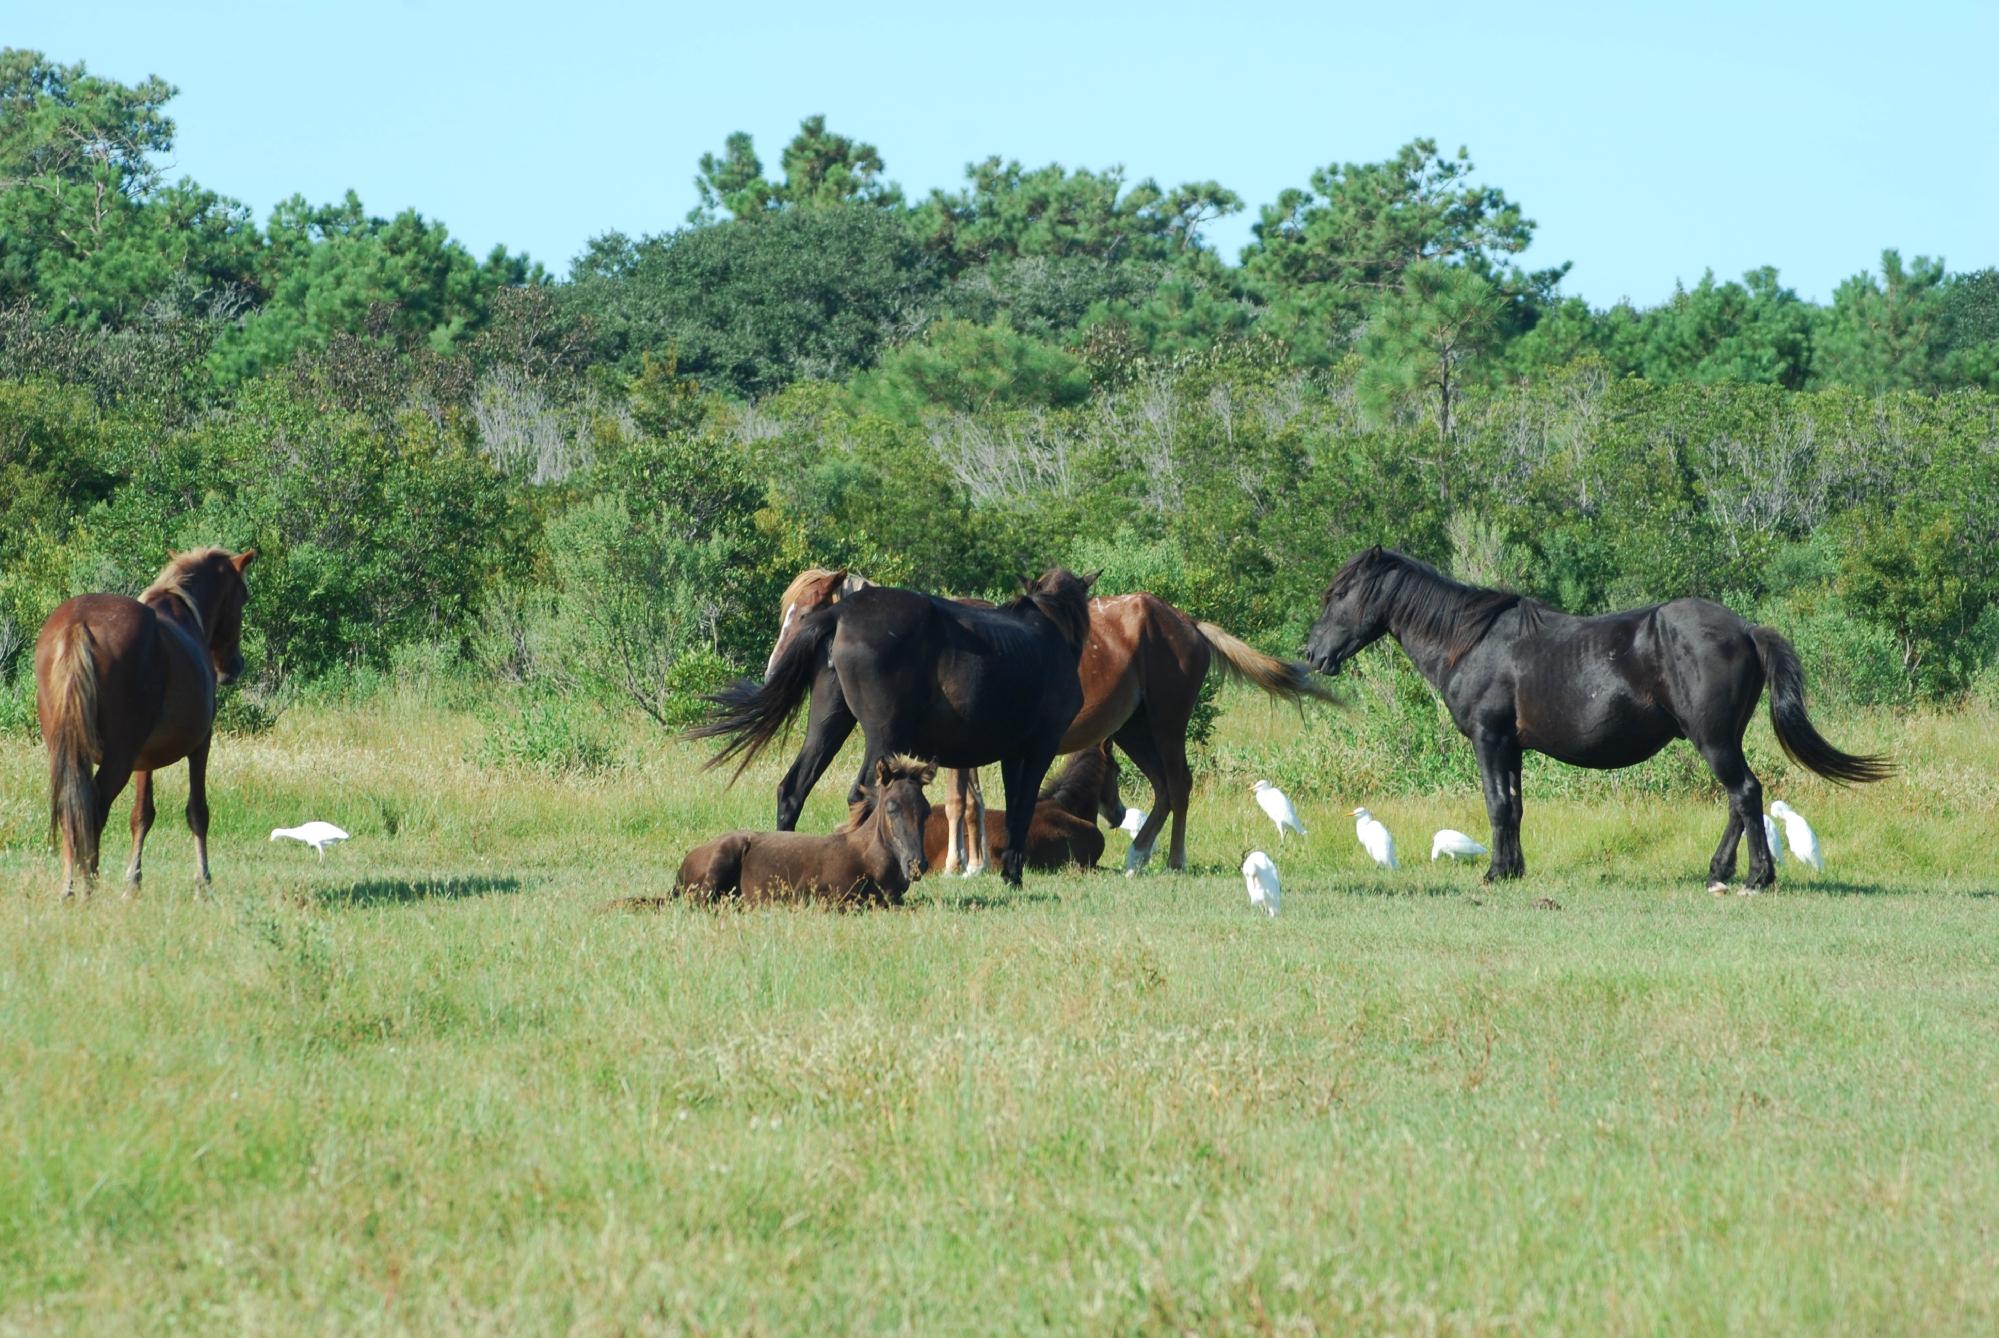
[
  {"x": 1063, "y": 598},
  {"x": 1427, "y": 604}
]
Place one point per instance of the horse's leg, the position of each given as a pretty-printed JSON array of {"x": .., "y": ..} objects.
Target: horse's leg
[
  {"x": 978, "y": 847},
  {"x": 1135, "y": 737},
  {"x": 1499, "y": 777},
  {"x": 1745, "y": 818},
  {"x": 142, "y": 822},
  {"x": 826, "y": 728},
  {"x": 1180, "y": 776},
  {"x": 197, "y": 811},
  {"x": 1022, "y": 777},
  {"x": 112, "y": 773},
  {"x": 954, "y": 821}
]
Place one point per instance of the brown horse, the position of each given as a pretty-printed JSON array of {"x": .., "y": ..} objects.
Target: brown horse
[
  {"x": 1141, "y": 671},
  {"x": 1064, "y": 831},
  {"x": 129, "y": 685},
  {"x": 873, "y": 857}
]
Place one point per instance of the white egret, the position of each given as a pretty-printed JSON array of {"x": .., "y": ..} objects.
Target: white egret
[
  {"x": 1134, "y": 819},
  {"x": 1804, "y": 841},
  {"x": 1259, "y": 875},
  {"x": 318, "y": 835},
  {"x": 1774, "y": 838},
  {"x": 1274, "y": 802},
  {"x": 1454, "y": 843},
  {"x": 1374, "y": 838}
]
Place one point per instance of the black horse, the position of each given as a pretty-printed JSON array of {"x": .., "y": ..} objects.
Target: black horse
[
  {"x": 959, "y": 685},
  {"x": 1602, "y": 692}
]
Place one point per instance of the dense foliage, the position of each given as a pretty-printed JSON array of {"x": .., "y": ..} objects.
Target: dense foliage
[{"x": 600, "y": 485}]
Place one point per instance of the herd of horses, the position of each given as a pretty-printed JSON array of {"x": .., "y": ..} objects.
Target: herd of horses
[{"x": 128, "y": 685}]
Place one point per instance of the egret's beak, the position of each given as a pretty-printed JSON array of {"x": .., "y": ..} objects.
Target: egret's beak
[{"x": 1354, "y": 813}]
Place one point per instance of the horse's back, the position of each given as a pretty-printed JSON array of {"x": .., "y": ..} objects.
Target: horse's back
[
  {"x": 786, "y": 866},
  {"x": 714, "y": 868},
  {"x": 1140, "y": 648}
]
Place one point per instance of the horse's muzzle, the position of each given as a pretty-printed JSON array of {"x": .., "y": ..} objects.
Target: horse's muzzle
[{"x": 915, "y": 869}]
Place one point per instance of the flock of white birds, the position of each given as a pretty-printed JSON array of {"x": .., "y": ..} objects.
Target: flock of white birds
[{"x": 1259, "y": 871}]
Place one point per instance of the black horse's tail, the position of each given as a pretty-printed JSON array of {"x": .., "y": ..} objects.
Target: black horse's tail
[
  {"x": 752, "y": 714},
  {"x": 1800, "y": 738}
]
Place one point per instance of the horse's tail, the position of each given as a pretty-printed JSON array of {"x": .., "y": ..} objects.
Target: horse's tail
[
  {"x": 753, "y": 714},
  {"x": 1286, "y": 679},
  {"x": 73, "y": 746},
  {"x": 1800, "y": 738}
]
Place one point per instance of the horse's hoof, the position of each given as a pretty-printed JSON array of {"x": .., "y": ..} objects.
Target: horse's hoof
[{"x": 1719, "y": 889}]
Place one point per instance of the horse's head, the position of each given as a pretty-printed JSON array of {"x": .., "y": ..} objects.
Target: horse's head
[
  {"x": 901, "y": 810},
  {"x": 225, "y": 642},
  {"x": 812, "y": 589},
  {"x": 1352, "y": 615},
  {"x": 209, "y": 582},
  {"x": 1063, "y": 598}
]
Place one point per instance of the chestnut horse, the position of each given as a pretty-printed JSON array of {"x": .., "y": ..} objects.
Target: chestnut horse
[
  {"x": 129, "y": 685},
  {"x": 1064, "y": 830},
  {"x": 1142, "y": 669},
  {"x": 873, "y": 857}
]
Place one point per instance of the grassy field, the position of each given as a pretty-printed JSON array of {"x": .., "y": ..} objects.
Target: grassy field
[{"x": 431, "y": 1085}]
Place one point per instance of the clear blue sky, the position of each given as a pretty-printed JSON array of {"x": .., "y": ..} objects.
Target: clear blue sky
[{"x": 1650, "y": 141}]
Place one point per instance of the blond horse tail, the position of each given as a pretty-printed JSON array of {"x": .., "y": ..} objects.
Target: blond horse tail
[
  {"x": 74, "y": 748},
  {"x": 1285, "y": 679}
]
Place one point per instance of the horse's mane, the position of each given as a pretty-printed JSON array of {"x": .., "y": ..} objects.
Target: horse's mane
[
  {"x": 816, "y": 581},
  {"x": 1079, "y": 780},
  {"x": 1063, "y": 598},
  {"x": 901, "y": 767},
  {"x": 172, "y": 582},
  {"x": 1428, "y": 604}
]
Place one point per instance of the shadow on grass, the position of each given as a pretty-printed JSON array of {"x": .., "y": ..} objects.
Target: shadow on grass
[
  {"x": 997, "y": 901},
  {"x": 396, "y": 891}
]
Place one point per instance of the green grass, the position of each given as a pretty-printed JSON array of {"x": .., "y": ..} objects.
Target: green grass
[{"x": 432, "y": 1086}]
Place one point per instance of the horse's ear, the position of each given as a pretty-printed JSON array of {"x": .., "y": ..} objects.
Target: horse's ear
[
  {"x": 881, "y": 771},
  {"x": 1375, "y": 551},
  {"x": 1091, "y": 579},
  {"x": 836, "y": 585},
  {"x": 928, "y": 774},
  {"x": 244, "y": 558}
]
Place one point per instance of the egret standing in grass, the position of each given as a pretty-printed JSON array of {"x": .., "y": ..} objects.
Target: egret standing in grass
[
  {"x": 1804, "y": 841},
  {"x": 1374, "y": 838},
  {"x": 1259, "y": 875},
  {"x": 318, "y": 835},
  {"x": 1274, "y": 802},
  {"x": 1454, "y": 843},
  {"x": 1774, "y": 839}
]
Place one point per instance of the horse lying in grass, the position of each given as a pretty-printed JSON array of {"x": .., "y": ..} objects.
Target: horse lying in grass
[
  {"x": 921, "y": 675},
  {"x": 1141, "y": 672},
  {"x": 872, "y": 858},
  {"x": 1064, "y": 831},
  {"x": 128, "y": 685},
  {"x": 1603, "y": 692}
]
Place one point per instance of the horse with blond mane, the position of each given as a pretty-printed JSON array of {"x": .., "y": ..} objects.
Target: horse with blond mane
[
  {"x": 1142, "y": 668},
  {"x": 128, "y": 685}
]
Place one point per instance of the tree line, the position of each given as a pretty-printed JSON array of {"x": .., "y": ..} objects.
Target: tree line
[{"x": 601, "y": 482}]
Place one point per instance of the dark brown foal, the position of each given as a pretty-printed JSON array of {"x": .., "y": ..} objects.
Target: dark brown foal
[{"x": 873, "y": 858}]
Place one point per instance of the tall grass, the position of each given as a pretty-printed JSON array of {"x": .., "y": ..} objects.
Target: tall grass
[{"x": 432, "y": 1085}]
